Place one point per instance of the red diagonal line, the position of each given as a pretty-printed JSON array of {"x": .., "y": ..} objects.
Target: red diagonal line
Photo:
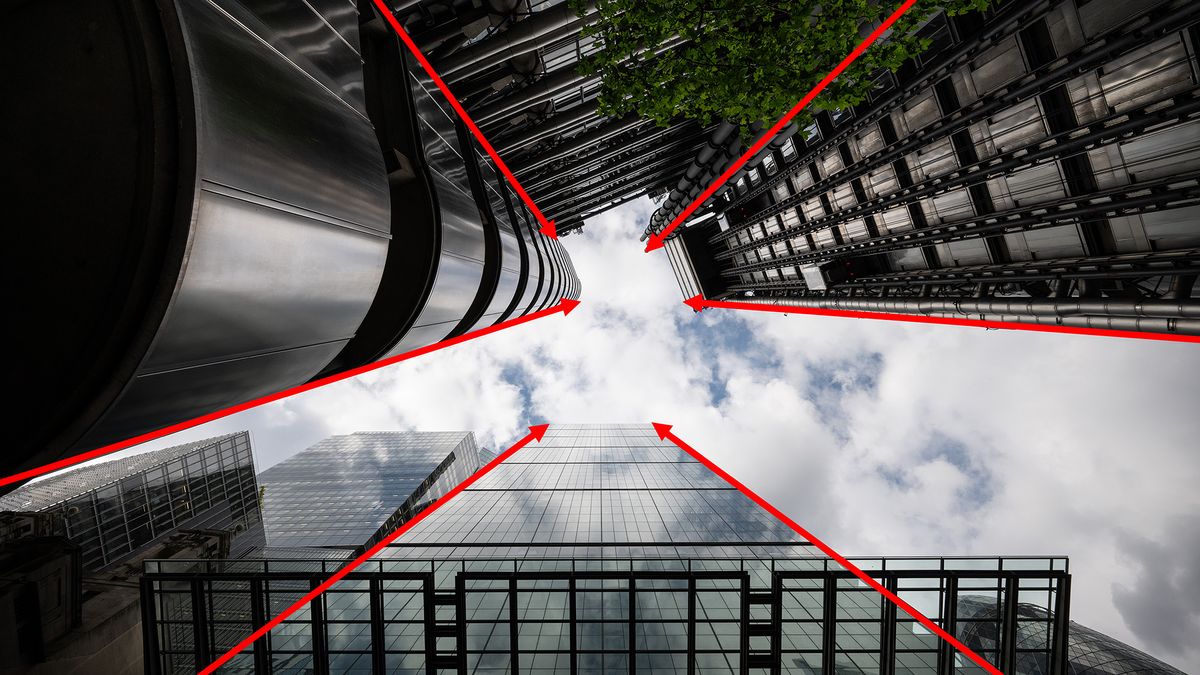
[
  {"x": 664, "y": 432},
  {"x": 535, "y": 433},
  {"x": 656, "y": 240},
  {"x": 547, "y": 225},
  {"x": 565, "y": 306},
  {"x": 701, "y": 303}
]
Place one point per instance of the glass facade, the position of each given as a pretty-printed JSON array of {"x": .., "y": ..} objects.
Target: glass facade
[
  {"x": 1089, "y": 652},
  {"x": 601, "y": 549},
  {"x": 339, "y": 493},
  {"x": 115, "y": 508}
]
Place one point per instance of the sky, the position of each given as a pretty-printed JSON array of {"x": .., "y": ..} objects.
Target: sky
[{"x": 880, "y": 438}]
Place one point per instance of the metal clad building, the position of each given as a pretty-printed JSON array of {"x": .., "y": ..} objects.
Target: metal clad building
[
  {"x": 259, "y": 194},
  {"x": 1038, "y": 164}
]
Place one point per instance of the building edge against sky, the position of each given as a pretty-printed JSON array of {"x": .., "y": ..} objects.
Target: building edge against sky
[{"x": 543, "y": 562}]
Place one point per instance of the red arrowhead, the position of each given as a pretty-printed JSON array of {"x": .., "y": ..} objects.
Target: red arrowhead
[
  {"x": 696, "y": 302},
  {"x": 655, "y": 243},
  {"x": 539, "y": 430},
  {"x": 662, "y": 429},
  {"x": 567, "y": 305},
  {"x": 549, "y": 230}
]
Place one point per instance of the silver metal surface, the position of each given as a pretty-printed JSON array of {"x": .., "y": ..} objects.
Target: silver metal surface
[{"x": 290, "y": 223}]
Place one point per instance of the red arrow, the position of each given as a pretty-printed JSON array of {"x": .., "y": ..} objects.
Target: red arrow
[
  {"x": 565, "y": 306},
  {"x": 664, "y": 433},
  {"x": 535, "y": 434},
  {"x": 547, "y": 227},
  {"x": 656, "y": 240},
  {"x": 698, "y": 303}
]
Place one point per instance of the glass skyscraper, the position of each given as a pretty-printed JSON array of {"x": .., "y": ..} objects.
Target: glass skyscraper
[
  {"x": 337, "y": 494},
  {"x": 601, "y": 549},
  {"x": 114, "y": 509}
]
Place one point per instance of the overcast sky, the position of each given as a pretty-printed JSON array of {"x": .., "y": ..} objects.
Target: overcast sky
[{"x": 882, "y": 439}]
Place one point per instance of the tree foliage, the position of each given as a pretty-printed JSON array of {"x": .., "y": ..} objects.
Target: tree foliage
[{"x": 746, "y": 61}]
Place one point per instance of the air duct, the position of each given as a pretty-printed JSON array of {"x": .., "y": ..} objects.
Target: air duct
[{"x": 521, "y": 37}]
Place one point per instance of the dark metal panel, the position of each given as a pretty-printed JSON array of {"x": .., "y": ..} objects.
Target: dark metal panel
[
  {"x": 268, "y": 129},
  {"x": 251, "y": 280},
  {"x": 304, "y": 37},
  {"x": 156, "y": 399}
]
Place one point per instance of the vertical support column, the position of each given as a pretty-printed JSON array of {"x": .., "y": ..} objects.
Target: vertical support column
[
  {"x": 1061, "y": 627},
  {"x": 949, "y": 624},
  {"x": 320, "y": 642},
  {"x": 430, "y": 617},
  {"x": 375, "y": 593},
  {"x": 632, "y": 624},
  {"x": 460, "y": 620},
  {"x": 574, "y": 618},
  {"x": 829, "y": 625},
  {"x": 887, "y": 629},
  {"x": 262, "y": 661},
  {"x": 776, "y": 624},
  {"x": 691, "y": 625},
  {"x": 1008, "y": 626},
  {"x": 512, "y": 625},
  {"x": 744, "y": 657},
  {"x": 200, "y": 624},
  {"x": 149, "y": 627}
]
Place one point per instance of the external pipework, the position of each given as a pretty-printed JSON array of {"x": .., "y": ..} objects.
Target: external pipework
[
  {"x": 709, "y": 165},
  {"x": 558, "y": 123},
  {"x": 520, "y": 38},
  {"x": 1151, "y": 316}
]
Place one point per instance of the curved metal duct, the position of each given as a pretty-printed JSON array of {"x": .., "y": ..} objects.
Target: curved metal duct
[
  {"x": 232, "y": 217},
  {"x": 215, "y": 221},
  {"x": 561, "y": 121}
]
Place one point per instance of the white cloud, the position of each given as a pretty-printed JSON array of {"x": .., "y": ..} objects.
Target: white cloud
[{"x": 880, "y": 438}]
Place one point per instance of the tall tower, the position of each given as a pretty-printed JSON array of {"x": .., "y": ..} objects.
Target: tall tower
[
  {"x": 346, "y": 492},
  {"x": 269, "y": 196},
  {"x": 600, "y": 549},
  {"x": 1039, "y": 164}
]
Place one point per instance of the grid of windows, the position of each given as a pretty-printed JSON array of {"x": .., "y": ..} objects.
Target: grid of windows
[
  {"x": 115, "y": 508},
  {"x": 954, "y": 182},
  {"x": 340, "y": 491},
  {"x": 601, "y": 549},
  {"x": 606, "y": 616}
]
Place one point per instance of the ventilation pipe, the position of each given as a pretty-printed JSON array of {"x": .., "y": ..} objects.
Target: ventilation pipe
[
  {"x": 551, "y": 85},
  {"x": 558, "y": 123},
  {"x": 580, "y": 142},
  {"x": 601, "y": 158},
  {"x": 520, "y": 38}
]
